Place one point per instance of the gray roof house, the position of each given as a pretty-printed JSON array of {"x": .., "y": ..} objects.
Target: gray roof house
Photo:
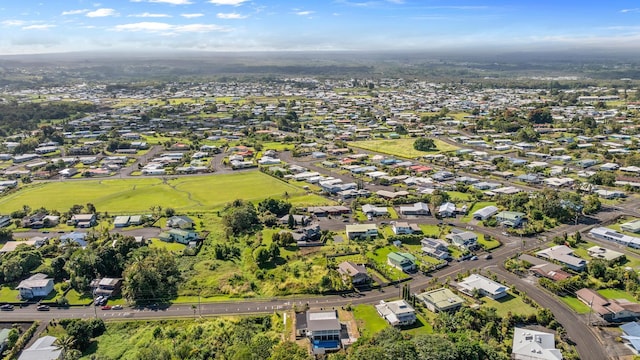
[
  {"x": 180, "y": 221},
  {"x": 463, "y": 240},
  {"x": 485, "y": 213},
  {"x": 353, "y": 273},
  {"x": 564, "y": 255},
  {"x": 42, "y": 349},
  {"x": 397, "y": 313},
  {"x": 484, "y": 286},
  {"x": 534, "y": 345},
  {"x": 37, "y": 285}
]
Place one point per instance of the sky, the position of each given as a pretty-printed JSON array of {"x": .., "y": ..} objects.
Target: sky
[{"x": 50, "y": 26}]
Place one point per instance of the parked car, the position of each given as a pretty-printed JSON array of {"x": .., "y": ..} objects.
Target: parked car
[
  {"x": 488, "y": 257},
  {"x": 117, "y": 307},
  {"x": 6, "y": 307},
  {"x": 42, "y": 307},
  {"x": 474, "y": 258},
  {"x": 106, "y": 307}
]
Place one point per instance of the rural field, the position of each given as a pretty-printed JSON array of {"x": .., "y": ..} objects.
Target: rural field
[
  {"x": 401, "y": 147},
  {"x": 138, "y": 195}
]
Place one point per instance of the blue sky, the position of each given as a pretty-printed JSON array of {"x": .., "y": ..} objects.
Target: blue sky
[{"x": 45, "y": 26}]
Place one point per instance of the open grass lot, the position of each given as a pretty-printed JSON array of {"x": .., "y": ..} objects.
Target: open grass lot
[
  {"x": 9, "y": 294},
  {"x": 277, "y": 146},
  {"x": 488, "y": 244},
  {"x": 509, "y": 304},
  {"x": 459, "y": 196},
  {"x": 575, "y": 304},
  {"x": 616, "y": 294},
  {"x": 369, "y": 322},
  {"x": 138, "y": 195},
  {"x": 401, "y": 147},
  {"x": 170, "y": 246}
]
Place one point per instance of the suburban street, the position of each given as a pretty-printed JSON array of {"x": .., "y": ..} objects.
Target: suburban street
[{"x": 587, "y": 343}]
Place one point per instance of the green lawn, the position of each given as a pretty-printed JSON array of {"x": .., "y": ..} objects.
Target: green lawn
[
  {"x": 171, "y": 246},
  {"x": 509, "y": 304},
  {"x": 368, "y": 319},
  {"x": 401, "y": 147},
  {"x": 138, "y": 195},
  {"x": 421, "y": 327},
  {"x": 488, "y": 244},
  {"x": 459, "y": 196},
  {"x": 575, "y": 304},
  {"x": 8, "y": 294},
  {"x": 429, "y": 229},
  {"x": 616, "y": 294}
]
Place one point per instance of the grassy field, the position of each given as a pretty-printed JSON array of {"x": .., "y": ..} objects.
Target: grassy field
[
  {"x": 9, "y": 294},
  {"x": 488, "y": 244},
  {"x": 401, "y": 147},
  {"x": 575, "y": 304},
  {"x": 616, "y": 294},
  {"x": 509, "y": 304},
  {"x": 170, "y": 246},
  {"x": 138, "y": 195},
  {"x": 368, "y": 319}
]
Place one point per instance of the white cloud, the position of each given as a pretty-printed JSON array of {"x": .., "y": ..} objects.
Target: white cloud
[
  {"x": 38, "y": 27},
  {"x": 104, "y": 12},
  {"x": 624, "y": 11},
  {"x": 172, "y": 2},
  {"x": 232, "y": 16},
  {"x": 396, "y": 1},
  {"x": 13, "y": 23},
  {"x": 191, "y": 16},
  {"x": 169, "y": 28},
  {"x": 227, "y": 2},
  {"x": 75, "y": 12},
  {"x": 150, "y": 15},
  {"x": 304, "y": 13}
]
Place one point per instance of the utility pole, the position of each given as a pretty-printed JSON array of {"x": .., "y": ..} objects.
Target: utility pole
[
  {"x": 590, "y": 310},
  {"x": 199, "y": 308}
]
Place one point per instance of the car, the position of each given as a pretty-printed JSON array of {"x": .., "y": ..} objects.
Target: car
[
  {"x": 488, "y": 257},
  {"x": 473, "y": 258},
  {"x": 6, "y": 307},
  {"x": 98, "y": 300},
  {"x": 117, "y": 307},
  {"x": 383, "y": 223},
  {"x": 60, "y": 231},
  {"x": 45, "y": 231},
  {"x": 345, "y": 220},
  {"x": 504, "y": 233},
  {"x": 42, "y": 307},
  {"x": 106, "y": 307}
]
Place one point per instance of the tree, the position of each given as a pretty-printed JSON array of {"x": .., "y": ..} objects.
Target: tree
[
  {"x": 424, "y": 144},
  {"x": 527, "y": 134},
  {"x": 291, "y": 223},
  {"x": 65, "y": 343},
  {"x": 261, "y": 256},
  {"x": 240, "y": 217},
  {"x": 288, "y": 350},
  {"x": 91, "y": 208},
  {"x": 540, "y": 116},
  {"x": 151, "y": 275}
]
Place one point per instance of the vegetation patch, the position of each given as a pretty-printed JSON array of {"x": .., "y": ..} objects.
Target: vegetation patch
[{"x": 401, "y": 147}]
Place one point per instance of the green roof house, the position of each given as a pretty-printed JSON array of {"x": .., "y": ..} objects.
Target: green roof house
[
  {"x": 510, "y": 218},
  {"x": 402, "y": 261}
]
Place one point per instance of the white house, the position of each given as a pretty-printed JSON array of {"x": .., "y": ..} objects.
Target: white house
[
  {"x": 37, "y": 285},
  {"x": 534, "y": 345},
  {"x": 485, "y": 213},
  {"x": 485, "y": 286},
  {"x": 401, "y": 228},
  {"x": 397, "y": 313}
]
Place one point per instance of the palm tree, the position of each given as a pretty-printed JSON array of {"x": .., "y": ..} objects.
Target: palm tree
[{"x": 64, "y": 343}]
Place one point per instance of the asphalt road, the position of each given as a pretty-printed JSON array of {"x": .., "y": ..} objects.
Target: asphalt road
[{"x": 587, "y": 343}]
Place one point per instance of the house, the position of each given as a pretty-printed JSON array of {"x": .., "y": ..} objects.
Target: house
[
  {"x": 328, "y": 210},
  {"x": 447, "y": 209},
  {"x": 5, "y": 220},
  {"x": 435, "y": 248},
  {"x": 4, "y": 339},
  {"x": 510, "y": 218},
  {"x": 178, "y": 235},
  {"x": 631, "y": 226},
  {"x": 598, "y": 252},
  {"x": 77, "y": 238},
  {"x": 416, "y": 209},
  {"x": 604, "y": 233},
  {"x": 534, "y": 345},
  {"x": 37, "y": 285},
  {"x": 463, "y": 239},
  {"x": 121, "y": 221},
  {"x": 353, "y": 273},
  {"x": 106, "y": 286},
  {"x": 42, "y": 349},
  {"x": 322, "y": 327},
  {"x": 401, "y": 228},
  {"x": 397, "y": 313},
  {"x": 484, "y": 286},
  {"x": 610, "y": 310},
  {"x": 361, "y": 231},
  {"x": 298, "y": 220},
  {"x": 308, "y": 236},
  {"x": 564, "y": 255},
  {"x": 631, "y": 333},
  {"x": 442, "y": 299},
  {"x": 371, "y": 210},
  {"x": 82, "y": 220},
  {"x": 180, "y": 222},
  {"x": 402, "y": 261},
  {"x": 485, "y": 213},
  {"x": 610, "y": 194}
]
